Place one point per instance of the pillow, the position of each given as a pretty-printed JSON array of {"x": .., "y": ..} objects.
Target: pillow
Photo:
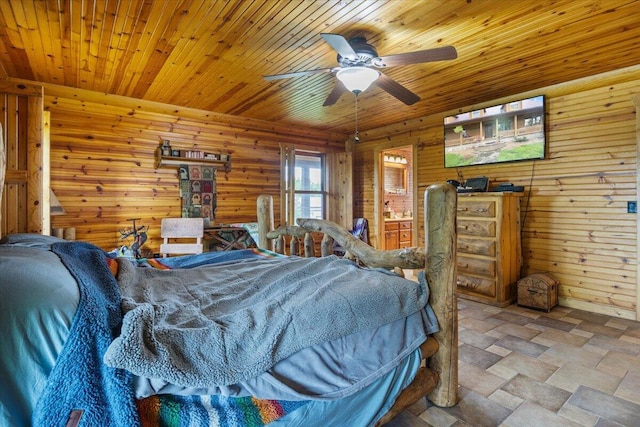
[{"x": 31, "y": 240}]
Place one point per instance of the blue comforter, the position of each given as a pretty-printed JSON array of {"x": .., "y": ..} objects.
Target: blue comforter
[{"x": 224, "y": 323}]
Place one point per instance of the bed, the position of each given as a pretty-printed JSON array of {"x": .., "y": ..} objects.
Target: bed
[{"x": 246, "y": 337}]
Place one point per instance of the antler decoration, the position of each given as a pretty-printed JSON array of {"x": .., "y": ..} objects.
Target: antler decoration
[{"x": 139, "y": 234}]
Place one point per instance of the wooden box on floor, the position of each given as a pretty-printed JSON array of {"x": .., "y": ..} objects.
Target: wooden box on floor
[{"x": 538, "y": 291}]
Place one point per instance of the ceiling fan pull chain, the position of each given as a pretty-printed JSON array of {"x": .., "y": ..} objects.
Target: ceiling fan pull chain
[{"x": 356, "y": 138}]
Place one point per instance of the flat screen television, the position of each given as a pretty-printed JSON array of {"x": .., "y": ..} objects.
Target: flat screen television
[{"x": 508, "y": 132}]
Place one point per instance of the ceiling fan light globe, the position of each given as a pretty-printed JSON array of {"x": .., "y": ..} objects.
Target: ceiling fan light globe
[{"x": 357, "y": 79}]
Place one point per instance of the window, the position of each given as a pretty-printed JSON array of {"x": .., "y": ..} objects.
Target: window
[
  {"x": 309, "y": 196},
  {"x": 533, "y": 121},
  {"x": 505, "y": 123}
]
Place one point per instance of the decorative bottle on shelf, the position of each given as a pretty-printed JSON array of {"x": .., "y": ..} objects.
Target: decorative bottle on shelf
[
  {"x": 387, "y": 210},
  {"x": 166, "y": 147}
]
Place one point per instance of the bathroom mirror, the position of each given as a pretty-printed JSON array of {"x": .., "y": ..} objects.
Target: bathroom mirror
[{"x": 395, "y": 179}]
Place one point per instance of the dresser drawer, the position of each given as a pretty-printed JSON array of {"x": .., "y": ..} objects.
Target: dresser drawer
[
  {"x": 476, "y": 266},
  {"x": 405, "y": 238},
  {"x": 476, "y": 208},
  {"x": 476, "y": 228},
  {"x": 476, "y": 246},
  {"x": 485, "y": 287},
  {"x": 405, "y": 225},
  {"x": 391, "y": 226}
]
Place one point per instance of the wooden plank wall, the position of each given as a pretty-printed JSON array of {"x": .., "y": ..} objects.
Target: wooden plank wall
[
  {"x": 102, "y": 161},
  {"x": 574, "y": 213}
]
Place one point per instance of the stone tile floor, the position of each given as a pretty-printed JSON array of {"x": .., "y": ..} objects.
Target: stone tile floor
[{"x": 522, "y": 367}]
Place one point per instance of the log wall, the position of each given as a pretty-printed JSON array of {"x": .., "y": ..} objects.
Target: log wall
[
  {"x": 102, "y": 161},
  {"x": 574, "y": 212}
]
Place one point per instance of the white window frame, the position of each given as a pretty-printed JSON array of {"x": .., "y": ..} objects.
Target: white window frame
[{"x": 289, "y": 190}]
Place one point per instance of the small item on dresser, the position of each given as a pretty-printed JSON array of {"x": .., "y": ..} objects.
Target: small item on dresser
[
  {"x": 507, "y": 186},
  {"x": 387, "y": 210},
  {"x": 538, "y": 291},
  {"x": 474, "y": 185}
]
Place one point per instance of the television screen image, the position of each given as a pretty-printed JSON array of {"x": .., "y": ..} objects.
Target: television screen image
[{"x": 508, "y": 132}]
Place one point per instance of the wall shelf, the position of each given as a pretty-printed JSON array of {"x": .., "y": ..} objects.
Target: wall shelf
[{"x": 175, "y": 161}]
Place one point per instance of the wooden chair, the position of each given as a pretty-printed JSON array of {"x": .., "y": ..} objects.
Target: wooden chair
[
  {"x": 175, "y": 230},
  {"x": 360, "y": 230}
]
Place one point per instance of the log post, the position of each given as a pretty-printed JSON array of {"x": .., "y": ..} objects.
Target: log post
[
  {"x": 280, "y": 244},
  {"x": 440, "y": 203},
  {"x": 309, "y": 246},
  {"x": 326, "y": 245},
  {"x": 294, "y": 246},
  {"x": 265, "y": 220}
]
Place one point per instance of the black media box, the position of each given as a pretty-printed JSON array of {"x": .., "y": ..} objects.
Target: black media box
[{"x": 509, "y": 188}]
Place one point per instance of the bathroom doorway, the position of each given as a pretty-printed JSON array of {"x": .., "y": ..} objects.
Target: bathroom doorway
[{"x": 396, "y": 193}]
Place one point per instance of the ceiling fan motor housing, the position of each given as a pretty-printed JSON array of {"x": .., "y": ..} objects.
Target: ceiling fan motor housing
[
  {"x": 357, "y": 60},
  {"x": 365, "y": 53}
]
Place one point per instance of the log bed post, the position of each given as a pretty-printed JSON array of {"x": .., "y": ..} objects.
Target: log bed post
[
  {"x": 265, "y": 220},
  {"x": 440, "y": 203}
]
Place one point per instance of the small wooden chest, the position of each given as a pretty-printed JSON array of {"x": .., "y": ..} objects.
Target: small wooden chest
[{"x": 538, "y": 291}]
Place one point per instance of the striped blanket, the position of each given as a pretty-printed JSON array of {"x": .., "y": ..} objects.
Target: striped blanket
[{"x": 178, "y": 411}]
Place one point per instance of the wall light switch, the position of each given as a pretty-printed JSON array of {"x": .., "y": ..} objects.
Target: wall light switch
[{"x": 632, "y": 207}]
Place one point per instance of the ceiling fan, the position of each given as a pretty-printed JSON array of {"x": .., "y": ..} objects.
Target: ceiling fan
[{"x": 357, "y": 67}]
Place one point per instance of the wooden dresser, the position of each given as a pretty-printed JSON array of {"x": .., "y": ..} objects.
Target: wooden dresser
[
  {"x": 397, "y": 233},
  {"x": 489, "y": 248}
]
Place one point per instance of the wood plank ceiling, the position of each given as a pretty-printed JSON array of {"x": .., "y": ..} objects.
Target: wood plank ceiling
[{"x": 212, "y": 55}]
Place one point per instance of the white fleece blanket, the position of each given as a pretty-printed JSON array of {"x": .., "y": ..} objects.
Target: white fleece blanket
[{"x": 224, "y": 323}]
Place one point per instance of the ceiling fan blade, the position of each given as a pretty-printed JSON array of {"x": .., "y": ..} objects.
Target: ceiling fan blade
[
  {"x": 335, "y": 94},
  {"x": 396, "y": 89},
  {"x": 297, "y": 74},
  {"x": 429, "y": 55},
  {"x": 340, "y": 44}
]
